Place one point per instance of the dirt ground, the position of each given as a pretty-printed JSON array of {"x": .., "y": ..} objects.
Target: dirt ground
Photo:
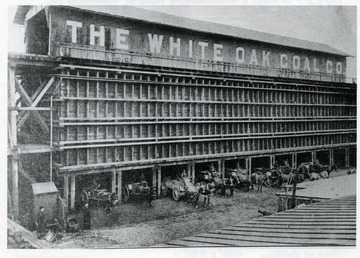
[{"x": 132, "y": 225}]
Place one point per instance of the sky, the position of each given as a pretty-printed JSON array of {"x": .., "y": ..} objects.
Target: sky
[{"x": 332, "y": 25}]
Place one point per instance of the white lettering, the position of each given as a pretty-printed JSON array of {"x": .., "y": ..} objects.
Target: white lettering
[
  {"x": 265, "y": 59},
  {"x": 296, "y": 62},
  {"x": 190, "y": 48},
  {"x": 329, "y": 67},
  {"x": 174, "y": 45},
  {"x": 240, "y": 55},
  {"x": 339, "y": 68},
  {"x": 217, "y": 52},
  {"x": 74, "y": 25},
  {"x": 307, "y": 65},
  {"x": 100, "y": 34},
  {"x": 283, "y": 61},
  {"x": 316, "y": 70},
  {"x": 155, "y": 43},
  {"x": 253, "y": 58},
  {"x": 121, "y": 37},
  {"x": 203, "y": 45}
]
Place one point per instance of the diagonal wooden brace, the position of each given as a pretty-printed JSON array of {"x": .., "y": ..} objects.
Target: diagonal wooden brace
[
  {"x": 25, "y": 115},
  {"x": 47, "y": 86},
  {"x": 29, "y": 102}
]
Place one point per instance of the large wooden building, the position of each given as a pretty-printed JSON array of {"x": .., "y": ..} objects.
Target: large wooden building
[{"x": 112, "y": 92}]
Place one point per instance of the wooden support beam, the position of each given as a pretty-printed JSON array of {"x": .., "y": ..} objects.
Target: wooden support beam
[
  {"x": 219, "y": 166},
  {"x": 113, "y": 181},
  {"x": 347, "y": 159},
  {"x": 272, "y": 161},
  {"x": 72, "y": 192},
  {"x": 313, "y": 156},
  {"x": 250, "y": 166},
  {"x": 29, "y": 102},
  {"x": 13, "y": 134},
  {"x": 153, "y": 177},
  {"x": 159, "y": 180},
  {"x": 119, "y": 184},
  {"x": 331, "y": 157},
  {"x": 294, "y": 160},
  {"x": 66, "y": 189},
  {"x": 33, "y": 97},
  {"x": 193, "y": 171}
]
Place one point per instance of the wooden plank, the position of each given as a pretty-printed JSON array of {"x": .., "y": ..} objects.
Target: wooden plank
[
  {"x": 282, "y": 240},
  {"x": 291, "y": 234},
  {"x": 294, "y": 226},
  {"x": 291, "y": 230},
  {"x": 28, "y": 236},
  {"x": 304, "y": 222},
  {"x": 307, "y": 220},
  {"x": 317, "y": 216},
  {"x": 234, "y": 242},
  {"x": 184, "y": 243}
]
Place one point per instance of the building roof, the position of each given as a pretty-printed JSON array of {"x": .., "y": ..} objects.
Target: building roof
[
  {"x": 195, "y": 25},
  {"x": 42, "y": 188}
]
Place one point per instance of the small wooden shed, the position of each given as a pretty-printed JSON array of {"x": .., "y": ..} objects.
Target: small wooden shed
[{"x": 45, "y": 194}]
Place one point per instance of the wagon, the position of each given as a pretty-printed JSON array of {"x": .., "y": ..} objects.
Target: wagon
[
  {"x": 138, "y": 190},
  {"x": 179, "y": 187},
  {"x": 211, "y": 177},
  {"x": 99, "y": 196},
  {"x": 241, "y": 177}
]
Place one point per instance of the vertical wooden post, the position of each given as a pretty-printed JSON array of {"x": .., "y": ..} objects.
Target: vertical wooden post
[
  {"x": 119, "y": 185},
  {"x": 159, "y": 180},
  {"x": 272, "y": 161},
  {"x": 193, "y": 171},
  {"x": 66, "y": 190},
  {"x": 223, "y": 168},
  {"x": 293, "y": 161},
  {"x": 189, "y": 172},
  {"x": 14, "y": 158},
  {"x": 154, "y": 177},
  {"x": 219, "y": 166},
  {"x": 347, "y": 160},
  {"x": 72, "y": 192},
  {"x": 15, "y": 188},
  {"x": 113, "y": 181},
  {"x": 313, "y": 156},
  {"x": 331, "y": 157}
]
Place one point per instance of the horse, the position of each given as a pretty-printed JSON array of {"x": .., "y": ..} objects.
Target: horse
[
  {"x": 258, "y": 178},
  {"x": 241, "y": 177},
  {"x": 308, "y": 168},
  {"x": 191, "y": 190},
  {"x": 206, "y": 190}
]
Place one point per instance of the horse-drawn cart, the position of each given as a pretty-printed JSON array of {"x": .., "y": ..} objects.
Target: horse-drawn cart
[
  {"x": 179, "y": 187},
  {"x": 101, "y": 197},
  {"x": 136, "y": 190}
]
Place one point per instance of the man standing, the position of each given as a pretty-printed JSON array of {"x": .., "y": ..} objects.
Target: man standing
[
  {"x": 86, "y": 217},
  {"x": 41, "y": 222}
]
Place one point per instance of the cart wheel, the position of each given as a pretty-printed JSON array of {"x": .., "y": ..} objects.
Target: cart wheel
[
  {"x": 176, "y": 193},
  {"x": 84, "y": 196},
  {"x": 114, "y": 199},
  {"x": 164, "y": 190},
  {"x": 268, "y": 183},
  {"x": 125, "y": 194}
]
